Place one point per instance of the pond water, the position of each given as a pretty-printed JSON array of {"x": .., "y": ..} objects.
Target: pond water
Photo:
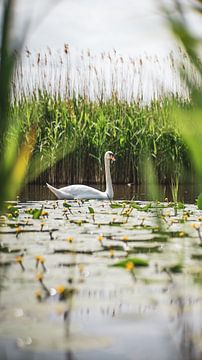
[{"x": 100, "y": 280}]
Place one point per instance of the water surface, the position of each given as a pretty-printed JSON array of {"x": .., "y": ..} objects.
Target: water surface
[{"x": 79, "y": 306}]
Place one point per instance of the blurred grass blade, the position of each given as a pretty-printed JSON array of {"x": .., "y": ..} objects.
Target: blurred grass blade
[
  {"x": 190, "y": 126},
  {"x": 151, "y": 179},
  {"x": 21, "y": 165}
]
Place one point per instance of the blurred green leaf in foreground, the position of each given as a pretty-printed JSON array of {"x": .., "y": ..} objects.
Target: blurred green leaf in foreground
[
  {"x": 189, "y": 120},
  {"x": 15, "y": 153},
  {"x": 17, "y": 158}
]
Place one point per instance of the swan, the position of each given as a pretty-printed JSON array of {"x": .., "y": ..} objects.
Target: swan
[{"x": 87, "y": 192}]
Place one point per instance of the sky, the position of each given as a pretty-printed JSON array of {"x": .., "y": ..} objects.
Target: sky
[
  {"x": 134, "y": 28},
  {"x": 130, "y": 26}
]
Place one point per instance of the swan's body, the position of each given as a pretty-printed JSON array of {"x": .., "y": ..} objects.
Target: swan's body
[{"x": 87, "y": 192}]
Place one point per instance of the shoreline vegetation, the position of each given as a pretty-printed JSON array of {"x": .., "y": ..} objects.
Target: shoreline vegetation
[
  {"x": 78, "y": 132},
  {"x": 80, "y": 112}
]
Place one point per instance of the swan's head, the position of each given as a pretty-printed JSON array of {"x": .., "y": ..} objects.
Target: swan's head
[{"x": 110, "y": 156}]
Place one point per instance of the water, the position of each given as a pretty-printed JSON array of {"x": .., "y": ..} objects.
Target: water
[{"x": 81, "y": 307}]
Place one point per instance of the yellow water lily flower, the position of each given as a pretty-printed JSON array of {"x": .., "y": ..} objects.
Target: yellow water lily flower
[
  {"x": 39, "y": 276},
  {"x": 130, "y": 266},
  {"x": 195, "y": 226},
  {"x": 70, "y": 239},
  {"x": 100, "y": 238},
  {"x": 19, "y": 259},
  {"x": 60, "y": 289},
  {"x": 38, "y": 294},
  {"x": 40, "y": 259},
  {"x": 111, "y": 253}
]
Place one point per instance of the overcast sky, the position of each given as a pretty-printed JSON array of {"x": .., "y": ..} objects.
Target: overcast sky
[{"x": 129, "y": 26}]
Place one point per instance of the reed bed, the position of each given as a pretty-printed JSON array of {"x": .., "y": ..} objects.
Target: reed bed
[
  {"x": 86, "y": 104},
  {"x": 98, "y": 77}
]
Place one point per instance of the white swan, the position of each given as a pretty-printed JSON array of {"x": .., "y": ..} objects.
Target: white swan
[{"x": 87, "y": 192}]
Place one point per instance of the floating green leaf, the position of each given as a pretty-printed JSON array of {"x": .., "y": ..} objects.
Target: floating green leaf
[
  {"x": 13, "y": 211},
  {"x": 135, "y": 261},
  {"x": 116, "y": 205},
  {"x": 141, "y": 208},
  {"x": 176, "y": 268},
  {"x": 67, "y": 205},
  {"x": 36, "y": 213},
  {"x": 91, "y": 210}
]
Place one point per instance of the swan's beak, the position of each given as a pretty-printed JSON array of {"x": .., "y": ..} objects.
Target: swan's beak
[{"x": 113, "y": 158}]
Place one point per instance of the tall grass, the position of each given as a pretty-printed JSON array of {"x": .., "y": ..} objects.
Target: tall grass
[{"x": 90, "y": 128}]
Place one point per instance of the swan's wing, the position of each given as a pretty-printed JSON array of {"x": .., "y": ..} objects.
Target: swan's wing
[{"x": 83, "y": 192}]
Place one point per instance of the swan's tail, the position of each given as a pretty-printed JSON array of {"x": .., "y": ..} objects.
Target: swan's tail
[
  {"x": 61, "y": 195},
  {"x": 55, "y": 191}
]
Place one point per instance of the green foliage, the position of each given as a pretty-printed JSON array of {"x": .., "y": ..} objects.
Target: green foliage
[
  {"x": 199, "y": 201},
  {"x": 141, "y": 207},
  {"x": 67, "y": 205},
  {"x": 19, "y": 131},
  {"x": 8, "y": 158},
  {"x": 189, "y": 119},
  {"x": 91, "y": 210},
  {"x": 88, "y": 127},
  {"x": 12, "y": 211},
  {"x": 36, "y": 213},
  {"x": 116, "y": 205},
  {"x": 176, "y": 268},
  {"x": 135, "y": 261}
]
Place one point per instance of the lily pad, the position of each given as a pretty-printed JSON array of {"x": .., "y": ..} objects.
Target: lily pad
[
  {"x": 136, "y": 262},
  {"x": 176, "y": 268}
]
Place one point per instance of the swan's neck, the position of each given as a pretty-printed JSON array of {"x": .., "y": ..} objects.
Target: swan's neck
[{"x": 109, "y": 188}]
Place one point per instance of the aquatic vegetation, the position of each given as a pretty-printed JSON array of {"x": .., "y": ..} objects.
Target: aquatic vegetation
[
  {"x": 36, "y": 213},
  {"x": 70, "y": 239},
  {"x": 40, "y": 279},
  {"x": 64, "y": 292},
  {"x": 18, "y": 231},
  {"x": 82, "y": 122},
  {"x": 40, "y": 260},
  {"x": 196, "y": 226},
  {"x": 91, "y": 210},
  {"x": 72, "y": 267},
  {"x": 100, "y": 238},
  {"x": 176, "y": 268},
  {"x": 19, "y": 260},
  {"x": 11, "y": 211},
  {"x": 131, "y": 261}
]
